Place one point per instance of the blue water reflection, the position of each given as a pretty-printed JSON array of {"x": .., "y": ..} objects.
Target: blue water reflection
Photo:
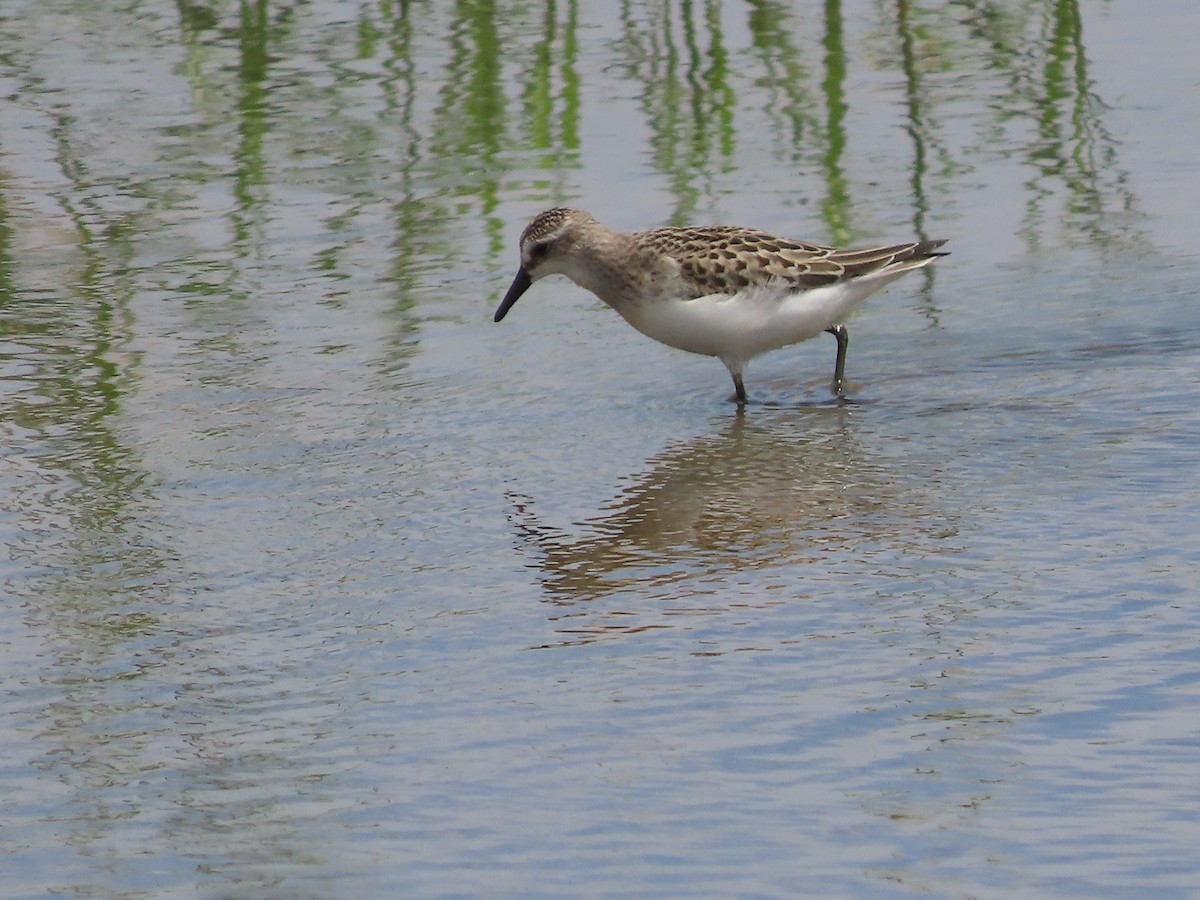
[{"x": 316, "y": 582}]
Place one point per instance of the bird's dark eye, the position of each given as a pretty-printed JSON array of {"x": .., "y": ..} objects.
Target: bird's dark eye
[{"x": 538, "y": 251}]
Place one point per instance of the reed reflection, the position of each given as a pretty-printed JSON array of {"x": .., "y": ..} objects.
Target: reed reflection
[
  {"x": 500, "y": 105},
  {"x": 250, "y": 178},
  {"x": 836, "y": 208},
  {"x": 761, "y": 495},
  {"x": 85, "y": 570},
  {"x": 923, "y": 133},
  {"x": 1075, "y": 146},
  {"x": 1039, "y": 48},
  {"x": 487, "y": 105},
  {"x": 554, "y": 120},
  {"x": 682, "y": 66}
]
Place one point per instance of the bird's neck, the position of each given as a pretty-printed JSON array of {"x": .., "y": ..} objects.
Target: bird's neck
[{"x": 620, "y": 272}]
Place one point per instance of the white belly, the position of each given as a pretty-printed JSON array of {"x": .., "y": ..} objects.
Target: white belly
[{"x": 748, "y": 324}]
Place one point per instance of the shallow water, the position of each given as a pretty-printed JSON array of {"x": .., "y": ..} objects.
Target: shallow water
[{"x": 318, "y": 583}]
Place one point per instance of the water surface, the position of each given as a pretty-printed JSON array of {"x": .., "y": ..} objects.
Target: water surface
[{"x": 318, "y": 583}]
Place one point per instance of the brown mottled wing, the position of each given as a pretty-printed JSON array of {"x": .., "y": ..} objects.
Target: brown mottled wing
[{"x": 724, "y": 260}]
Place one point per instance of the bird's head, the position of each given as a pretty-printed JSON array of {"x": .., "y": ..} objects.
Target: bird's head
[{"x": 546, "y": 246}]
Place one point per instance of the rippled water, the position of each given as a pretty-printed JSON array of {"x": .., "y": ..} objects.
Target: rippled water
[{"x": 318, "y": 583}]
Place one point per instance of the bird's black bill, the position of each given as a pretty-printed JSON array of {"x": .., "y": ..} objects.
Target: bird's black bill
[{"x": 519, "y": 286}]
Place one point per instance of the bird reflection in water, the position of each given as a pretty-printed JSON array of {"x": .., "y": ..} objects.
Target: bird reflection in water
[{"x": 733, "y": 520}]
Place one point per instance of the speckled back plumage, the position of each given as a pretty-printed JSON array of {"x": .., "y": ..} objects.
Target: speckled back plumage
[{"x": 726, "y": 259}]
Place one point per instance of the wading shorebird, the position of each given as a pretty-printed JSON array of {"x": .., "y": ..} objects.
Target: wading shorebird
[{"x": 718, "y": 290}]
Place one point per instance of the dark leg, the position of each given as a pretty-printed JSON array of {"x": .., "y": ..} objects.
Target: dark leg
[
  {"x": 739, "y": 388},
  {"x": 839, "y": 367}
]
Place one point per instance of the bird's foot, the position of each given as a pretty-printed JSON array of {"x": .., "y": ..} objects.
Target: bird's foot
[{"x": 841, "y": 393}]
